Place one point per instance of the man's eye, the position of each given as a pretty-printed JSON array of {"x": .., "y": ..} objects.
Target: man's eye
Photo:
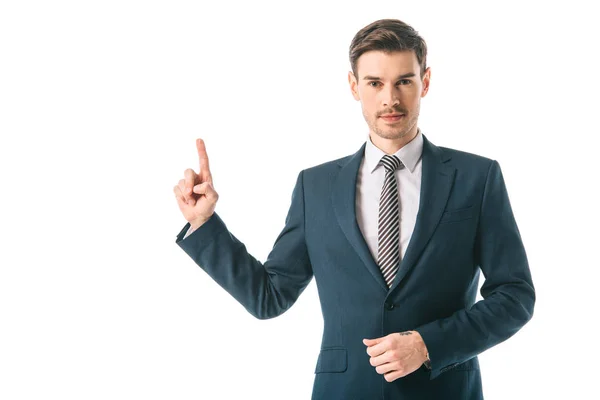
[{"x": 403, "y": 81}]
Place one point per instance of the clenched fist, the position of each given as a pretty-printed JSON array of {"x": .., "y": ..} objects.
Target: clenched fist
[
  {"x": 195, "y": 193},
  {"x": 397, "y": 354}
]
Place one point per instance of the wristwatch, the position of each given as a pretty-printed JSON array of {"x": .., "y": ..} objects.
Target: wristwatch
[{"x": 427, "y": 362}]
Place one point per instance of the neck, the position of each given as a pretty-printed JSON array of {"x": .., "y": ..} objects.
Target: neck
[{"x": 391, "y": 146}]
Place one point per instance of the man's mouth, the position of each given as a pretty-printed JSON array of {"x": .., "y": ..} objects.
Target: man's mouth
[{"x": 392, "y": 117}]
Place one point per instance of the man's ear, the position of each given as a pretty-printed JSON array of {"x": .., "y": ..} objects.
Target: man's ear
[
  {"x": 353, "y": 85},
  {"x": 426, "y": 81}
]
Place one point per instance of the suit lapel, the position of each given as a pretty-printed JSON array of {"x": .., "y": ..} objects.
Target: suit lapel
[
  {"x": 436, "y": 182},
  {"x": 343, "y": 198}
]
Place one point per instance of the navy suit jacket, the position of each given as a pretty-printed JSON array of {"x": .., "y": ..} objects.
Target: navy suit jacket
[{"x": 464, "y": 225}]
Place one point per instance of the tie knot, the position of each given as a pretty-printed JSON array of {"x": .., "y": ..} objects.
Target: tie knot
[{"x": 391, "y": 163}]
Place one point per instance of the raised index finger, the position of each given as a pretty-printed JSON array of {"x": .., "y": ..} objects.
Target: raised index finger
[{"x": 205, "y": 174}]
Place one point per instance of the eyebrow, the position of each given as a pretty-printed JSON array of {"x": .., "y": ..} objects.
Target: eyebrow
[{"x": 375, "y": 78}]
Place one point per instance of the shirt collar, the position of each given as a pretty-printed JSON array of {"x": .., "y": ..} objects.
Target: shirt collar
[{"x": 409, "y": 154}]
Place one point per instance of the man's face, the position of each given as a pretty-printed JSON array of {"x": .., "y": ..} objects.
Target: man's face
[{"x": 389, "y": 83}]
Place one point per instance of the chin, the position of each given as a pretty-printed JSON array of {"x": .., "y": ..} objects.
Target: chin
[{"x": 392, "y": 134}]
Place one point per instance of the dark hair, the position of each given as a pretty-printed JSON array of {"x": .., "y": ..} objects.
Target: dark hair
[{"x": 387, "y": 35}]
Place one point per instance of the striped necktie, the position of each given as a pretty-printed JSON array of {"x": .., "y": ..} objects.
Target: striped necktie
[{"x": 389, "y": 221}]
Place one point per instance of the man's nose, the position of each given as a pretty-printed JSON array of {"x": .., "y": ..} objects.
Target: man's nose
[{"x": 391, "y": 97}]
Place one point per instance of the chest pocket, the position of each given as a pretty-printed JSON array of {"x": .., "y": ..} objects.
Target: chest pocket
[{"x": 457, "y": 215}]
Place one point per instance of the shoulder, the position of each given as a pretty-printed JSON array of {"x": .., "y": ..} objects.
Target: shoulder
[
  {"x": 320, "y": 177},
  {"x": 465, "y": 159},
  {"x": 469, "y": 167},
  {"x": 326, "y": 168},
  {"x": 328, "y": 165}
]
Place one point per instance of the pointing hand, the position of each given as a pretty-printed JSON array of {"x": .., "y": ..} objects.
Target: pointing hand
[{"x": 195, "y": 193}]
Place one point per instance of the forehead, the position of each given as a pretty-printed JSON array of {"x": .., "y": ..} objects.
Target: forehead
[{"x": 387, "y": 64}]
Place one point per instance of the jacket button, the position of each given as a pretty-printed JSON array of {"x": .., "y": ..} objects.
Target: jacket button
[{"x": 389, "y": 306}]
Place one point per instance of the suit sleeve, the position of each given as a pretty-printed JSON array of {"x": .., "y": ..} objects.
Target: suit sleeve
[
  {"x": 508, "y": 292},
  {"x": 188, "y": 231},
  {"x": 265, "y": 290}
]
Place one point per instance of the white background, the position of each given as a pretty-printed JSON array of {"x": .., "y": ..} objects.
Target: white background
[{"x": 100, "y": 106}]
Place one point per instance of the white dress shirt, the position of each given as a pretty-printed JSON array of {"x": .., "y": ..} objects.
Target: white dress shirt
[
  {"x": 368, "y": 189},
  {"x": 369, "y": 183}
]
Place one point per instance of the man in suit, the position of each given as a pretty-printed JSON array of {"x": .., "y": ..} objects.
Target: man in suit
[{"x": 395, "y": 235}]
